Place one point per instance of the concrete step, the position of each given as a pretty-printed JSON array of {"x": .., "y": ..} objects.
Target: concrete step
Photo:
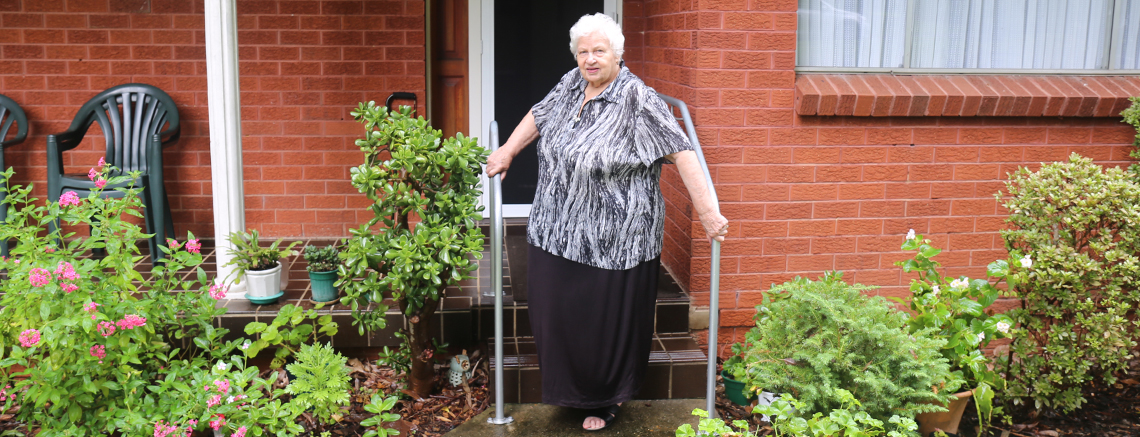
[
  {"x": 658, "y": 418},
  {"x": 676, "y": 369}
]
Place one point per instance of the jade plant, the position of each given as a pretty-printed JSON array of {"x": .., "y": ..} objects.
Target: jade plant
[{"x": 423, "y": 236}]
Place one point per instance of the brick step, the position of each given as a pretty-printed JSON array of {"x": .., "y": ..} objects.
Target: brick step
[{"x": 676, "y": 369}]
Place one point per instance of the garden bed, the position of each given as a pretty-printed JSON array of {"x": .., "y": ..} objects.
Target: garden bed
[{"x": 1111, "y": 411}]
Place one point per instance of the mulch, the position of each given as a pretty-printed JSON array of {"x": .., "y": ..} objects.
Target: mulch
[{"x": 1111, "y": 411}]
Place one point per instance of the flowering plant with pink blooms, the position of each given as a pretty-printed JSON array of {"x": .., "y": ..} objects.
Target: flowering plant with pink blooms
[{"x": 96, "y": 340}]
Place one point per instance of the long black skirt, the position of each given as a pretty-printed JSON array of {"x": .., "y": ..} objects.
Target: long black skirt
[{"x": 593, "y": 328}]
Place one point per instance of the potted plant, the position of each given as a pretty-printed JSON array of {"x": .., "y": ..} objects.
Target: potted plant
[
  {"x": 732, "y": 372},
  {"x": 260, "y": 265},
  {"x": 955, "y": 310},
  {"x": 323, "y": 262}
]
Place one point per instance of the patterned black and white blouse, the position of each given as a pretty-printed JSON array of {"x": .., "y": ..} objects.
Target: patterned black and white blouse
[{"x": 598, "y": 201}]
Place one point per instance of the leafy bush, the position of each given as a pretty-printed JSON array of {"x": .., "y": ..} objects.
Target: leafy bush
[
  {"x": 1076, "y": 274},
  {"x": 850, "y": 420},
  {"x": 714, "y": 427},
  {"x": 813, "y": 338},
  {"x": 380, "y": 407},
  {"x": 410, "y": 172},
  {"x": 321, "y": 381},
  {"x": 956, "y": 311},
  {"x": 94, "y": 336},
  {"x": 1131, "y": 115},
  {"x": 292, "y": 327}
]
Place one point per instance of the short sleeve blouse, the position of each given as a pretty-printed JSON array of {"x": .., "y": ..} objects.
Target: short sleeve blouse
[{"x": 598, "y": 200}]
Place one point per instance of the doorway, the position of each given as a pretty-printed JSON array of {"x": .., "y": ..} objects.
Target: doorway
[{"x": 523, "y": 50}]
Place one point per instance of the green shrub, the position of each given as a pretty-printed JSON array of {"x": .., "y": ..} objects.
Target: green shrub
[
  {"x": 322, "y": 259},
  {"x": 321, "y": 381},
  {"x": 815, "y": 338},
  {"x": 1131, "y": 115},
  {"x": 1075, "y": 243},
  {"x": 97, "y": 339},
  {"x": 788, "y": 421}
]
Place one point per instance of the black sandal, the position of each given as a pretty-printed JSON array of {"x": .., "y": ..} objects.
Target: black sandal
[{"x": 607, "y": 414}]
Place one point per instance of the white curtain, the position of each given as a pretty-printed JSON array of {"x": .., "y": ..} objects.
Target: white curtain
[
  {"x": 1130, "y": 35},
  {"x": 851, "y": 33},
  {"x": 1036, "y": 34}
]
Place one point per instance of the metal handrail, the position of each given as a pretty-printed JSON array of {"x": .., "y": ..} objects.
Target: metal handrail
[
  {"x": 714, "y": 281},
  {"x": 495, "y": 195}
]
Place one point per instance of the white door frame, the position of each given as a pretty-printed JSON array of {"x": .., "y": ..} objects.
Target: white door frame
[{"x": 481, "y": 74}]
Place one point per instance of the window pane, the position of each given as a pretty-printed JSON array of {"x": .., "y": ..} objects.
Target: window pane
[
  {"x": 1030, "y": 34},
  {"x": 1130, "y": 35},
  {"x": 851, "y": 33}
]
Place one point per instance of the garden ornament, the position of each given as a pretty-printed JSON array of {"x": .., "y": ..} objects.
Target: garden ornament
[{"x": 460, "y": 369}]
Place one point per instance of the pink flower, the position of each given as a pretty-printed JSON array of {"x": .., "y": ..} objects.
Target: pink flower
[
  {"x": 91, "y": 307},
  {"x": 69, "y": 198},
  {"x": 193, "y": 246},
  {"x": 68, "y": 287},
  {"x": 106, "y": 328},
  {"x": 172, "y": 243},
  {"x": 223, "y": 385},
  {"x": 161, "y": 430},
  {"x": 66, "y": 271},
  {"x": 239, "y": 433},
  {"x": 218, "y": 291},
  {"x": 92, "y": 174},
  {"x": 100, "y": 183},
  {"x": 98, "y": 351},
  {"x": 131, "y": 321},
  {"x": 102, "y": 163},
  {"x": 29, "y": 338},
  {"x": 217, "y": 399},
  {"x": 39, "y": 277},
  {"x": 219, "y": 422}
]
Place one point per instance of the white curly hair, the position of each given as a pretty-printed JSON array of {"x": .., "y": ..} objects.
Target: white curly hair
[{"x": 598, "y": 22}]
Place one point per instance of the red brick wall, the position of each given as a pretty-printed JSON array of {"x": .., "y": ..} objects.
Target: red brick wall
[
  {"x": 304, "y": 65},
  {"x": 809, "y": 194}
]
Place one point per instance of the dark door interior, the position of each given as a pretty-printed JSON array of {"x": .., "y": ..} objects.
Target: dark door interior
[{"x": 532, "y": 51}]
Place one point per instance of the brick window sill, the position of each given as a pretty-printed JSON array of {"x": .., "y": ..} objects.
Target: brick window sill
[{"x": 883, "y": 95}]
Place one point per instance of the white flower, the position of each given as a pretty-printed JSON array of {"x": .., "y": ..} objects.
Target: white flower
[
  {"x": 910, "y": 235},
  {"x": 958, "y": 283},
  {"x": 230, "y": 400},
  {"x": 245, "y": 345},
  {"x": 935, "y": 289},
  {"x": 1026, "y": 261},
  {"x": 1003, "y": 327},
  {"x": 222, "y": 366},
  {"x": 981, "y": 336}
]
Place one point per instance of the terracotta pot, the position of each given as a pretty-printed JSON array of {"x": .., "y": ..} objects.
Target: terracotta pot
[{"x": 947, "y": 421}]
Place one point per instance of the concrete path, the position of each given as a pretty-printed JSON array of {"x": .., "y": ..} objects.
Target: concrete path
[{"x": 658, "y": 418}]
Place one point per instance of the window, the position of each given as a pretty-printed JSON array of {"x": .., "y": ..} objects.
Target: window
[{"x": 1047, "y": 36}]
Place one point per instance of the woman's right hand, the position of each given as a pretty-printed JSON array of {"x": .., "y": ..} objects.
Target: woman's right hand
[{"x": 499, "y": 162}]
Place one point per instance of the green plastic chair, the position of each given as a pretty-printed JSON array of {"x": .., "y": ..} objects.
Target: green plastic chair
[
  {"x": 138, "y": 121},
  {"x": 10, "y": 112}
]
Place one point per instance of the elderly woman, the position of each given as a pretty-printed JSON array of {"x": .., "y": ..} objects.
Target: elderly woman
[{"x": 596, "y": 224}]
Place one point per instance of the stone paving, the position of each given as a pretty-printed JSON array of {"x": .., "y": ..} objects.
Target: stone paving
[{"x": 659, "y": 418}]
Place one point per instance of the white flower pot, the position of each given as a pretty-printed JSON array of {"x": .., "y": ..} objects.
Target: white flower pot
[{"x": 263, "y": 283}]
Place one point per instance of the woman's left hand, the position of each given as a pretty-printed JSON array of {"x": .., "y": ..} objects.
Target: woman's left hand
[{"x": 716, "y": 226}]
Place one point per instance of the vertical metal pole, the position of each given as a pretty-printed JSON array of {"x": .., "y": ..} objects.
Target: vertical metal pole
[
  {"x": 497, "y": 280},
  {"x": 714, "y": 283}
]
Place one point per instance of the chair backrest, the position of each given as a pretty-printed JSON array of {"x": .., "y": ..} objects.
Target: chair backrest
[
  {"x": 130, "y": 116},
  {"x": 10, "y": 112}
]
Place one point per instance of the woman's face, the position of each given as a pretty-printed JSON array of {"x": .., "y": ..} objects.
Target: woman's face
[{"x": 596, "y": 60}]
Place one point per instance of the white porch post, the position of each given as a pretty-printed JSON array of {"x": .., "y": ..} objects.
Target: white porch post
[{"x": 225, "y": 129}]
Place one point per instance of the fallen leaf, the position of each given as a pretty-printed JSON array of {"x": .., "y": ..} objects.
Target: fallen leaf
[{"x": 1047, "y": 433}]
